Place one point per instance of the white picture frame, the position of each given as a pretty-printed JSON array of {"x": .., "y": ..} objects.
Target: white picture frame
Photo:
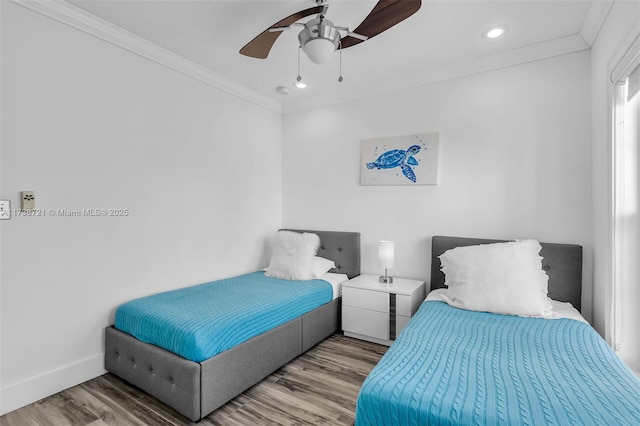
[{"x": 400, "y": 160}]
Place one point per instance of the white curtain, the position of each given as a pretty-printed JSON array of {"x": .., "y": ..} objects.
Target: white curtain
[{"x": 625, "y": 309}]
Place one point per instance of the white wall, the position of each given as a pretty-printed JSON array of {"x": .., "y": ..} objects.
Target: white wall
[
  {"x": 623, "y": 19},
  {"x": 87, "y": 125},
  {"x": 515, "y": 162}
]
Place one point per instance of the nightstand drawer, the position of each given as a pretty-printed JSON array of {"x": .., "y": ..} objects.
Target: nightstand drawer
[
  {"x": 377, "y": 312},
  {"x": 366, "y": 299},
  {"x": 403, "y": 305},
  {"x": 365, "y": 322}
]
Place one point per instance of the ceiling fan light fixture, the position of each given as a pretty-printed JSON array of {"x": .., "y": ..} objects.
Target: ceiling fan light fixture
[{"x": 319, "y": 39}]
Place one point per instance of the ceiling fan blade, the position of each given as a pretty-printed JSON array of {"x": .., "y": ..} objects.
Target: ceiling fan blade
[
  {"x": 384, "y": 15},
  {"x": 260, "y": 46}
]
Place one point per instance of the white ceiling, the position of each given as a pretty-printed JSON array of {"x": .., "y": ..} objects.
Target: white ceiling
[{"x": 442, "y": 40}]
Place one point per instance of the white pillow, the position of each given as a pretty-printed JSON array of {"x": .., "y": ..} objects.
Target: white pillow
[
  {"x": 503, "y": 278},
  {"x": 321, "y": 266},
  {"x": 292, "y": 257}
]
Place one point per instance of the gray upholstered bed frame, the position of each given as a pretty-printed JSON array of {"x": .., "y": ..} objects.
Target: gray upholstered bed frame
[
  {"x": 196, "y": 389},
  {"x": 561, "y": 262}
]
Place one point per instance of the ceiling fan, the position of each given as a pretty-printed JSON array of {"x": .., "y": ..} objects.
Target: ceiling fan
[{"x": 320, "y": 37}]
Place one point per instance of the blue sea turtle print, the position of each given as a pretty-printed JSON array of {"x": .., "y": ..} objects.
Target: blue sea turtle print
[{"x": 398, "y": 158}]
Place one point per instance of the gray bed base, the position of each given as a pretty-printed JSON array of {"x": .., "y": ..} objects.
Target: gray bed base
[
  {"x": 561, "y": 262},
  {"x": 196, "y": 389}
]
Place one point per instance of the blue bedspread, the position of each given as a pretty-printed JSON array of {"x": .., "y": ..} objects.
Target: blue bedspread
[
  {"x": 456, "y": 367},
  {"x": 201, "y": 321}
]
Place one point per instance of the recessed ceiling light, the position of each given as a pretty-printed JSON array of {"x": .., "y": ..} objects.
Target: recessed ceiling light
[
  {"x": 283, "y": 90},
  {"x": 494, "y": 32}
]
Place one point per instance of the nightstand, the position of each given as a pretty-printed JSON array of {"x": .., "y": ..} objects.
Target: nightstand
[{"x": 378, "y": 312}]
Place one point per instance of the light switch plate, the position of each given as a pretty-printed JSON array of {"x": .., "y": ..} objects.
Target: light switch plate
[
  {"x": 27, "y": 200},
  {"x": 5, "y": 209}
]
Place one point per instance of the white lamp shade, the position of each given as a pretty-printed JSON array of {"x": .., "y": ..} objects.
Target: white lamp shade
[
  {"x": 386, "y": 254},
  {"x": 319, "y": 50}
]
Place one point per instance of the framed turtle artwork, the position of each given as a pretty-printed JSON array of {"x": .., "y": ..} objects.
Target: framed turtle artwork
[{"x": 400, "y": 160}]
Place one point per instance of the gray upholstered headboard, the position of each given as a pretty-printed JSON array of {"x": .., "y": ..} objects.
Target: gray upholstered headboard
[
  {"x": 341, "y": 247},
  {"x": 561, "y": 262}
]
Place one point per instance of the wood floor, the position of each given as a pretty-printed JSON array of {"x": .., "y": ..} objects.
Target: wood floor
[{"x": 319, "y": 387}]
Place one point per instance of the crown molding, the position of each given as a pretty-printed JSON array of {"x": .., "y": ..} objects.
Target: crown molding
[
  {"x": 535, "y": 52},
  {"x": 82, "y": 20},
  {"x": 596, "y": 15}
]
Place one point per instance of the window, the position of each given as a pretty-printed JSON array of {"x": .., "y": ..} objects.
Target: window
[{"x": 625, "y": 315}]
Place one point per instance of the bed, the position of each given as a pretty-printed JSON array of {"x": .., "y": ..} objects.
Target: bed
[
  {"x": 196, "y": 388},
  {"x": 459, "y": 367}
]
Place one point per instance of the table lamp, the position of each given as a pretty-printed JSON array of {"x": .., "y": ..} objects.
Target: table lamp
[{"x": 385, "y": 258}]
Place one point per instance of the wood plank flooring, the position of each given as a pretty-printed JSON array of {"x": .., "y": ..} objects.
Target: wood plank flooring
[{"x": 318, "y": 387}]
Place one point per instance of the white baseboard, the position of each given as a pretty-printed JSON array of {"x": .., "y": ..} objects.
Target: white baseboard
[{"x": 25, "y": 392}]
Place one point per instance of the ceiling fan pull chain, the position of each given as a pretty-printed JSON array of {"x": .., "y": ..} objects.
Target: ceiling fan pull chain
[
  {"x": 340, "y": 77},
  {"x": 300, "y": 83},
  {"x": 299, "y": 78}
]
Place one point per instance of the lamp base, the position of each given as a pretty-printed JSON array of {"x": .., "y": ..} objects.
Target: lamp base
[{"x": 386, "y": 280}]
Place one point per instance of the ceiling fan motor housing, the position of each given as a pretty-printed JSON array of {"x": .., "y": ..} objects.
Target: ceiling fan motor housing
[{"x": 319, "y": 39}]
